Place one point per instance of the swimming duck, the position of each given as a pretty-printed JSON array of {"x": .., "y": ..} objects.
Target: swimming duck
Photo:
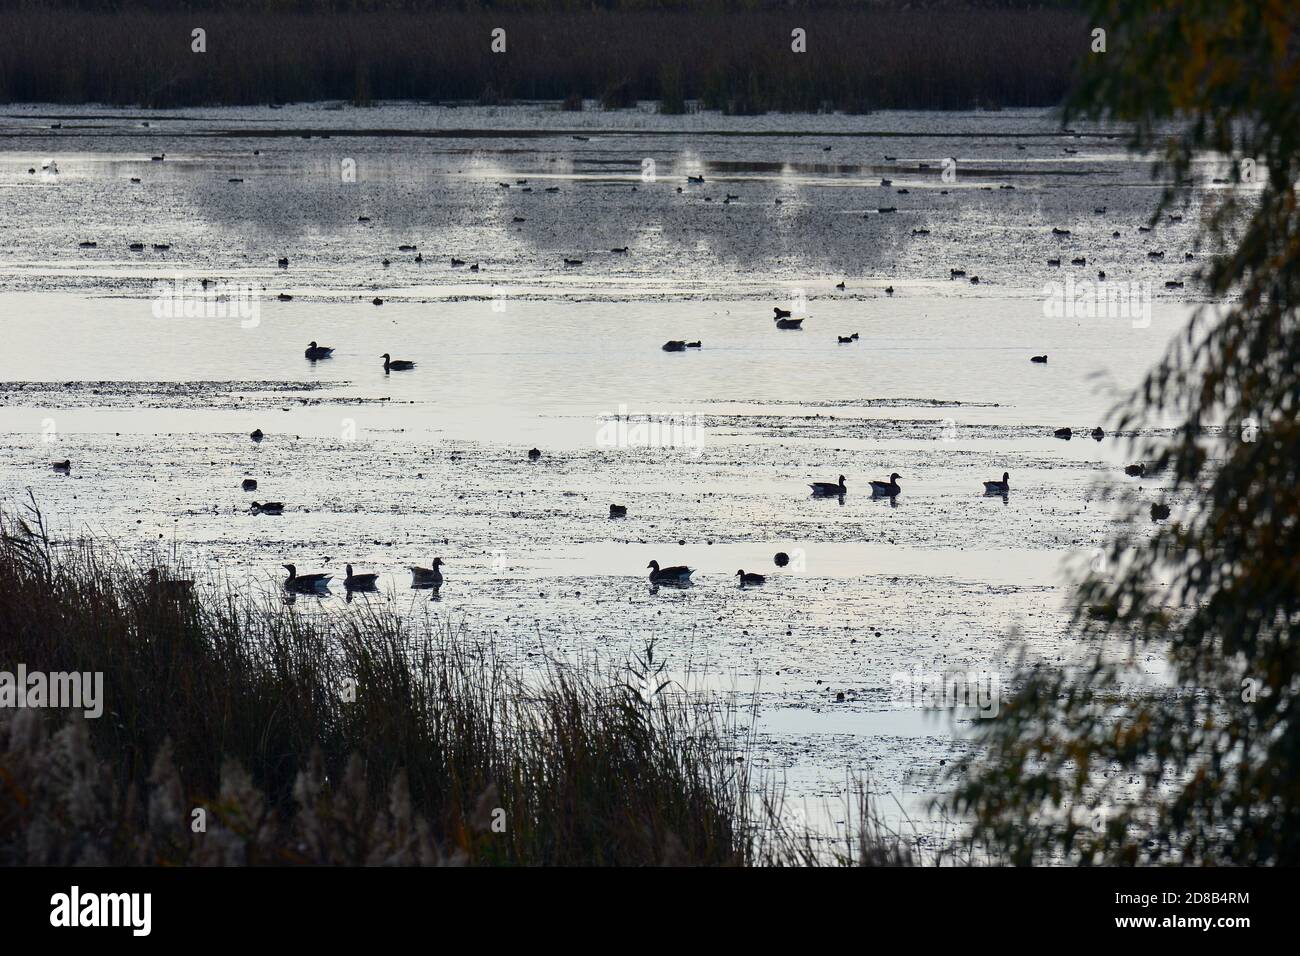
[
  {"x": 675, "y": 345},
  {"x": 1135, "y": 471},
  {"x": 316, "y": 352},
  {"x": 796, "y": 324},
  {"x": 249, "y": 484},
  {"x": 840, "y": 286},
  {"x": 158, "y": 159},
  {"x": 305, "y": 582},
  {"x": 269, "y": 508},
  {"x": 998, "y": 487},
  {"x": 283, "y": 262},
  {"x": 750, "y": 578},
  {"x": 359, "y": 582},
  {"x": 63, "y": 467},
  {"x": 256, "y": 434},
  {"x": 698, "y": 180},
  {"x": 396, "y": 365},
  {"x": 1159, "y": 512},
  {"x": 678, "y": 574},
  {"x": 1097, "y": 433},
  {"x": 427, "y": 577},
  {"x": 781, "y": 313},
  {"x": 1065, "y": 433},
  {"x": 845, "y": 339},
  {"x": 619, "y": 249},
  {"x": 285, "y": 297},
  {"x": 1053, "y": 262},
  {"x": 534, "y": 454},
  {"x": 829, "y": 488},
  {"x": 889, "y": 487},
  {"x": 573, "y": 262},
  {"x": 376, "y": 301},
  {"x": 1039, "y": 359},
  {"x": 618, "y": 511}
]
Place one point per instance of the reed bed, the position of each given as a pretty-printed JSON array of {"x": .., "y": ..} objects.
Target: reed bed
[
  {"x": 859, "y": 57},
  {"x": 355, "y": 738}
]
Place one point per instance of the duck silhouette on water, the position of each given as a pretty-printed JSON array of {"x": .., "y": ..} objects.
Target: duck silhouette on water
[
  {"x": 824, "y": 489},
  {"x": 430, "y": 577},
  {"x": 678, "y": 574},
  {"x": 317, "y": 352},
  {"x": 396, "y": 365},
  {"x": 305, "y": 582},
  {"x": 888, "y": 488}
]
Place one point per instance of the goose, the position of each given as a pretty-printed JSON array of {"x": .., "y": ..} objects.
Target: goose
[
  {"x": 387, "y": 263},
  {"x": 359, "y": 582},
  {"x": 998, "y": 487},
  {"x": 891, "y": 159},
  {"x": 781, "y": 313},
  {"x": 1079, "y": 261},
  {"x": 534, "y": 454},
  {"x": 698, "y": 180},
  {"x": 161, "y": 246},
  {"x": 885, "y": 209},
  {"x": 249, "y": 484},
  {"x": 840, "y": 286},
  {"x": 694, "y": 345},
  {"x": 519, "y": 219},
  {"x": 136, "y": 246},
  {"x": 1144, "y": 228},
  {"x": 474, "y": 267},
  {"x": 396, "y": 365},
  {"x": 789, "y": 323},
  {"x": 1097, "y": 433},
  {"x": 1065, "y": 433},
  {"x": 750, "y": 578},
  {"x": 305, "y": 582},
  {"x": 169, "y": 587},
  {"x": 285, "y": 297},
  {"x": 620, "y": 250},
  {"x": 63, "y": 467},
  {"x": 88, "y": 244},
  {"x": 269, "y": 508},
  {"x": 363, "y": 218},
  {"x": 675, "y": 345},
  {"x": 1101, "y": 275},
  {"x": 829, "y": 488},
  {"x": 1053, "y": 262},
  {"x": 256, "y": 434},
  {"x": 854, "y": 336},
  {"x": 1174, "y": 284},
  {"x": 889, "y": 487},
  {"x": 427, "y": 577},
  {"x": 1156, "y": 255},
  {"x": 1115, "y": 234},
  {"x": 957, "y": 273},
  {"x": 886, "y": 182},
  {"x": 889, "y": 289},
  {"x": 573, "y": 262},
  {"x": 158, "y": 159},
  {"x": 315, "y": 352},
  {"x": 1057, "y": 231},
  {"x": 974, "y": 280},
  {"x": 456, "y": 263},
  {"x": 678, "y": 574},
  {"x": 845, "y": 339},
  {"x": 920, "y": 232},
  {"x": 1038, "y": 359},
  {"x": 1135, "y": 471},
  {"x": 376, "y": 301},
  {"x": 618, "y": 511},
  {"x": 406, "y": 247}
]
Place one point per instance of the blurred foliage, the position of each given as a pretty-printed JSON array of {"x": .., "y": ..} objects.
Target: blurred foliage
[{"x": 1091, "y": 767}]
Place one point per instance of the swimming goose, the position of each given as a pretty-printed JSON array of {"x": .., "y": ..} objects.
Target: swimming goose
[
  {"x": 781, "y": 313},
  {"x": 829, "y": 488},
  {"x": 845, "y": 339},
  {"x": 376, "y": 301},
  {"x": 406, "y": 247},
  {"x": 618, "y": 511},
  {"x": 63, "y": 467},
  {"x": 249, "y": 484},
  {"x": 305, "y": 582},
  {"x": 427, "y": 577},
  {"x": 359, "y": 582},
  {"x": 695, "y": 179},
  {"x": 889, "y": 487},
  {"x": 1097, "y": 433},
  {"x": 1056, "y": 231},
  {"x": 675, "y": 345},
  {"x": 1065, "y": 433},
  {"x": 316, "y": 352},
  {"x": 136, "y": 246},
  {"x": 620, "y": 250},
  {"x": 678, "y": 574},
  {"x": 456, "y": 263},
  {"x": 534, "y": 454},
  {"x": 750, "y": 578},
  {"x": 269, "y": 508},
  {"x": 840, "y": 286},
  {"x": 1135, "y": 471},
  {"x": 573, "y": 262},
  {"x": 256, "y": 434},
  {"x": 998, "y": 487},
  {"x": 396, "y": 365},
  {"x": 1039, "y": 359},
  {"x": 796, "y": 324},
  {"x": 693, "y": 345},
  {"x": 1053, "y": 262},
  {"x": 285, "y": 297},
  {"x": 158, "y": 159}
]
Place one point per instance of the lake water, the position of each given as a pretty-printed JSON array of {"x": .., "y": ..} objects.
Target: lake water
[{"x": 154, "y": 407}]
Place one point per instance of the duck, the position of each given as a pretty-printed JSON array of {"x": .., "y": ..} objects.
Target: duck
[
  {"x": 534, "y": 454},
  {"x": 1159, "y": 512},
  {"x": 427, "y": 577},
  {"x": 781, "y": 313},
  {"x": 1097, "y": 433},
  {"x": 376, "y": 301},
  {"x": 256, "y": 434},
  {"x": 456, "y": 263},
  {"x": 316, "y": 352},
  {"x": 1053, "y": 262},
  {"x": 678, "y": 574},
  {"x": 795, "y": 324},
  {"x": 998, "y": 487},
  {"x": 285, "y": 297},
  {"x": 1079, "y": 261},
  {"x": 249, "y": 484},
  {"x": 675, "y": 345},
  {"x": 283, "y": 262},
  {"x": 573, "y": 262},
  {"x": 889, "y": 487},
  {"x": 749, "y": 578},
  {"x": 359, "y": 582},
  {"x": 1038, "y": 359},
  {"x": 829, "y": 488},
  {"x": 845, "y": 339},
  {"x": 406, "y": 247},
  {"x": 1057, "y": 231},
  {"x": 305, "y": 582},
  {"x": 620, "y": 250},
  {"x": 63, "y": 467},
  {"x": 618, "y": 511},
  {"x": 889, "y": 289},
  {"x": 1135, "y": 471},
  {"x": 1065, "y": 433},
  {"x": 781, "y": 559},
  {"x": 698, "y": 180},
  {"x": 396, "y": 365},
  {"x": 158, "y": 159},
  {"x": 267, "y": 508},
  {"x": 840, "y": 286}
]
